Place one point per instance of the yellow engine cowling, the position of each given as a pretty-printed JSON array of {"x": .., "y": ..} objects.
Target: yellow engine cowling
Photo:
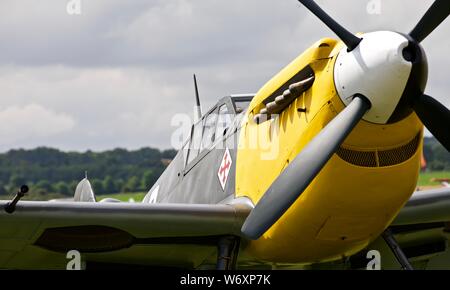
[{"x": 349, "y": 203}]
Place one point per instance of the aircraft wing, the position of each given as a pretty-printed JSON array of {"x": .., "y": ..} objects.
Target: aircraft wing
[
  {"x": 425, "y": 207},
  {"x": 39, "y": 234},
  {"x": 422, "y": 229}
]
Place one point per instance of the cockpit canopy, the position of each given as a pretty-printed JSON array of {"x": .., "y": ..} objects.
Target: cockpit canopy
[{"x": 213, "y": 125}]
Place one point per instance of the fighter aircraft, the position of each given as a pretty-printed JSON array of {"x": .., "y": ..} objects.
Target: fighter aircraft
[{"x": 346, "y": 119}]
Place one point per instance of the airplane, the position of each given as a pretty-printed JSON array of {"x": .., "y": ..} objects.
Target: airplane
[{"x": 344, "y": 125}]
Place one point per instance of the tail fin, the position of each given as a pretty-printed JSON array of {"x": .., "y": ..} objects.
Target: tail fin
[{"x": 84, "y": 191}]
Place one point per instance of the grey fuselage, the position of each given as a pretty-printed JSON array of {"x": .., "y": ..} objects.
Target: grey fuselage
[{"x": 195, "y": 179}]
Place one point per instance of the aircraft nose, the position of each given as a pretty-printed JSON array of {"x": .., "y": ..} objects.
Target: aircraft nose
[
  {"x": 417, "y": 81},
  {"x": 380, "y": 68}
]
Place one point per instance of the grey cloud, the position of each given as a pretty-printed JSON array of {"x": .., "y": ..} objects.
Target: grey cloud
[{"x": 136, "y": 58}]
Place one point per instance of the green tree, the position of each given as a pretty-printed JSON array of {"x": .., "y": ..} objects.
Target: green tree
[
  {"x": 3, "y": 190},
  {"x": 16, "y": 181},
  {"x": 109, "y": 185},
  {"x": 442, "y": 155},
  {"x": 119, "y": 184},
  {"x": 132, "y": 184},
  {"x": 437, "y": 165},
  {"x": 97, "y": 186},
  {"x": 169, "y": 154},
  {"x": 44, "y": 185},
  {"x": 148, "y": 179},
  {"x": 46, "y": 164},
  {"x": 62, "y": 188},
  {"x": 72, "y": 187}
]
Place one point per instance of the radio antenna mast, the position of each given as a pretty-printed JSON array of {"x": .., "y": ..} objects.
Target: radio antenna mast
[{"x": 198, "y": 108}]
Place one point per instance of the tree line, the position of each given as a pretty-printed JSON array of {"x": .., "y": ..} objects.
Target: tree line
[
  {"x": 436, "y": 156},
  {"x": 48, "y": 170}
]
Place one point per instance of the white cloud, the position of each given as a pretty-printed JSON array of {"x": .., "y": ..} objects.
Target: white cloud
[
  {"x": 119, "y": 107},
  {"x": 122, "y": 69},
  {"x": 31, "y": 122}
]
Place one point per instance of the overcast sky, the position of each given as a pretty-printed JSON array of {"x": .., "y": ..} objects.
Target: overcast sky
[{"x": 115, "y": 75}]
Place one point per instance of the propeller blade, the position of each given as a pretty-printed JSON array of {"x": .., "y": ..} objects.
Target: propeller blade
[
  {"x": 350, "y": 40},
  {"x": 432, "y": 18},
  {"x": 285, "y": 190},
  {"x": 435, "y": 116}
]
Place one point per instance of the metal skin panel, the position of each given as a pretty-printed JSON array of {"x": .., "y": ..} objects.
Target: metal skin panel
[
  {"x": 296, "y": 177},
  {"x": 426, "y": 206},
  {"x": 342, "y": 194},
  {"x": 152, "y": 225},
  {"x": 176, "y": 230},
  {"x": 140, "y": 220},
  {"x": 197, "y": 182}
]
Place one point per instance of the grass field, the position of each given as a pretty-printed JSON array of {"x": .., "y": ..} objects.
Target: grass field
[
  {"x": 424, "y": 180},
  {"x": 138, "y": 197},
  {"x": 425, "y": 177}
]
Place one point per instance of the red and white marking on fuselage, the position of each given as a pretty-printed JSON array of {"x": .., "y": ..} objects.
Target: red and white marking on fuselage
[{"x": 224, "y": 168}]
